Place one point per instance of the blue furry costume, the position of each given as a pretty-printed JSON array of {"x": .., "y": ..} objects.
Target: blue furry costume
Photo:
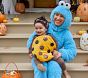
[{"x": 66, "y": 44}]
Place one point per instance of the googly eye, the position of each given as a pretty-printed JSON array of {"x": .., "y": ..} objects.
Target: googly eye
[
  {"x": 68, "y": 5},
  {"x": 61, "y": 3}
]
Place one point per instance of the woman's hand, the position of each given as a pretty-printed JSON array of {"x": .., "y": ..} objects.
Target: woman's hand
[{"x": 56, "y": 55}]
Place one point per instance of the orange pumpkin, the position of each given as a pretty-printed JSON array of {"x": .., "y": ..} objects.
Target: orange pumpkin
[
  {"x": 20, "y": 8},
  {"x": 14, "y": 74},
  {"x": 82, "y": 12},
  {"x": 11, "y": 74},
  {"x": 3, "y": 29},
  {"x": 2, "y": 17},
  {"x": 5, "y": 21}
]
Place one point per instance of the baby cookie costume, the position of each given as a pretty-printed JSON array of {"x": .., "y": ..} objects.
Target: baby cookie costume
[
  {"x": 66, "y": 45},
  {"x": 42, "y": 47}
]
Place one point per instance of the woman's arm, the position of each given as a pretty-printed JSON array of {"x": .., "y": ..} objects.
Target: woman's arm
[{"x": 68, "y": 52}]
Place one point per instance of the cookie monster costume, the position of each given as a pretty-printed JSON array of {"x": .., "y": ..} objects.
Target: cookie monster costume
[{"x": 66, "y": 44}]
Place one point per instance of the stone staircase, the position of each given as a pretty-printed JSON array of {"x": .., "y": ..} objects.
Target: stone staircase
[{"x": 13, "y": 47}]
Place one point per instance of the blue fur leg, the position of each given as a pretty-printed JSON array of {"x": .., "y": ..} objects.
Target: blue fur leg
[{"x": 54, "y": 70}]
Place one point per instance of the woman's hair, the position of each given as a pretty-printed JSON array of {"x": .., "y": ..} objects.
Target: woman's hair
[{"x": 42, "y": 20}]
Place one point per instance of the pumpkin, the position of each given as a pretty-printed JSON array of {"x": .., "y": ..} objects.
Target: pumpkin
[
  {"x": 3, "y": 29},
  {"x": 84, "y": 41},
  {"x": 16, "y": 19},
  {"x": 80, "y": 1},
  {"x": 5, "y": 21},
  {"x": 20, "y": 7},
  {"x": 42, "y": 47},
  {"x": 82, "y": 12},
  {"x": 76, "y": 19},
  {"x": 2, "y": 17},
  {"x": 81, "y": 32},
  {"x": 11, "y": 74}
]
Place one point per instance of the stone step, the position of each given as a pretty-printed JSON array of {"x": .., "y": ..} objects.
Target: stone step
[
  {"x": 28, "y": 27},
  {"x": 25, "y": 35},
  {"x": 16, "y": 40},
  {"x": 39, "y": 10},
  {"x": 11, "y": 36},
  {"x": 20, "y": 54},
  {"x": 26, "y": 23},
  {"x": 20, "y": 40},
  {"x": 77, "y": 70},
  {"x": 77, "y": 26},
  {"x": 16, "y": 54},
  {"x": 82, "y": 56},
  {"x": 20, "y": 28},
  {"x": 13, "y": 50}
]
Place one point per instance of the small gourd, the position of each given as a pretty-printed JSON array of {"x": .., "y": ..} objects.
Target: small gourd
[
  {"x": 76, "y": 19},
  {"x": 5, "y": 21},
  {"x": 80, "y": 32},
  {"x": 16, "y": 19}
]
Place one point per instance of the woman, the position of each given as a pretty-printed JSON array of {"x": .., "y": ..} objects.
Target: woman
[{"x": 59, "y": 29}]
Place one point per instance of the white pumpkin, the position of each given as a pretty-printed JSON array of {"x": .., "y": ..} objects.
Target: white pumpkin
[{"x": 84, "y": 41}]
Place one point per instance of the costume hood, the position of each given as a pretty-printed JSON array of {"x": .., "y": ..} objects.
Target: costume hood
[{"x": 65, "y": 11}]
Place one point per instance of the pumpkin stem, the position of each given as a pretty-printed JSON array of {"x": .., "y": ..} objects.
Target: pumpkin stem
[{"x": 87, "y": 31}]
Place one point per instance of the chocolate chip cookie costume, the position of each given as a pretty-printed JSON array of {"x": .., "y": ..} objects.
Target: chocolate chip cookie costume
[
  {"x": 42, "y": 47},
  {"x": 65, "y": 42}
]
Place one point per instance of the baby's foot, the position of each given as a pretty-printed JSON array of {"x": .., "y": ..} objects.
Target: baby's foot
[
  {"x": 41, "y": 67},
  {"x": 67, "y": 75}
]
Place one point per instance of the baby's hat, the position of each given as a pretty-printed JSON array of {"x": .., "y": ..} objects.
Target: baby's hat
[{"x": 41, "y": 20}]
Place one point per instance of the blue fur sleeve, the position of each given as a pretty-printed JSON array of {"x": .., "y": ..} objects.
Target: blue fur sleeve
[
  {"x": 69, "y": 51},
  {"x": 29, "y": 41}
]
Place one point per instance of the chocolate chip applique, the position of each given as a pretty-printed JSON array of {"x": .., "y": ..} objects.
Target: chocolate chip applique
[
  {"x": 51, "y": 44},
  {"x": 37, "y": 41},
  {"x": 33, "y": 49},
  {"x": 45, "y": 56},
  {"x": 45, "y": 38},
  {"x": 40, "y": 53},
  {"x": 48, "y": 51},
  {"x": 41, "y": 47}
]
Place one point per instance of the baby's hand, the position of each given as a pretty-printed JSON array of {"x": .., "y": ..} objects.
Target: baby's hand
[
  {"x": 30, "y": 56},
  {"x": 41, "y": 67},
  {"x": 55, "y": 53}
]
